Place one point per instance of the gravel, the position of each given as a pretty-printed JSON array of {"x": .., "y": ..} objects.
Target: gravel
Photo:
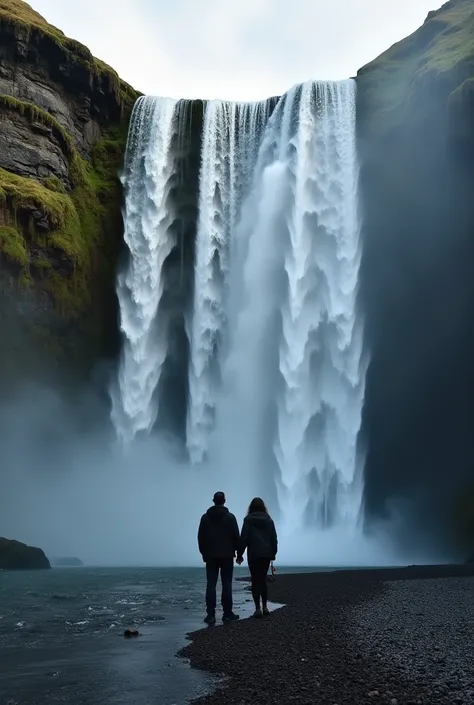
[
  {"x": 349, "y": 637},
  {"x": 422, "y": 630}
]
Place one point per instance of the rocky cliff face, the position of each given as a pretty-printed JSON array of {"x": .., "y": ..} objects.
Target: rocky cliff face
[
  {"x": 63, "y": 125},
  {"x": 15, "y": 555},
  {"x": 416, "y": 142}
]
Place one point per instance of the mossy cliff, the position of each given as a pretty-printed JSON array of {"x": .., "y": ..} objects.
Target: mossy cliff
[
  {"x": 63, "y": 127},
  {"x": 416, "y": 148}
]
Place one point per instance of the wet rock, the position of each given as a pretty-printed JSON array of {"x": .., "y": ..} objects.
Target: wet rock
[{"x": 131, "y": 633}]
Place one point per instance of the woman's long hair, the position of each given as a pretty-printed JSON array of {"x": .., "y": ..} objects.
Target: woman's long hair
[{"x": 257, "y": 505}]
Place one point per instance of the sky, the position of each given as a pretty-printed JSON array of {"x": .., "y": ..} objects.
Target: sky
[{"x": 234, "y": 49}]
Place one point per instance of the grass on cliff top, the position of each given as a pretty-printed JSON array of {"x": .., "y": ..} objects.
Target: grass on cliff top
[
  {"x": 22, "y": 11},
  {"x": 22, "y": 15},
  {"x": 443, "y": 43}
]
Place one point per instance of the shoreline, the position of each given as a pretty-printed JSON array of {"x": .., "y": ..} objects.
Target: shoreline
[{"x": 329, "y": 642}]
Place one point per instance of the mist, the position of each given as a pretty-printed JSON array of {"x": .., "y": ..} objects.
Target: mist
[{"x": 70, "y": 487}]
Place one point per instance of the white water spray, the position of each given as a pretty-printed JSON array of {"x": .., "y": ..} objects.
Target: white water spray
[
  {"x": 321, "y": 352},
  {"x": 231, "y": 137},
  {"x": 149, "y": 170},
  {"x": 276, "y": 369},
  {"x": 293, "y": 384}
]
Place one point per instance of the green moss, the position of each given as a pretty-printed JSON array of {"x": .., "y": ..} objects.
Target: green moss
[
  {"x": 59, "y": 209},
  {"x": 25, "y": 279},
  {"x": 27, "y": 21},
  {"x": 35, "y": 114},
  {"x": 68, "y": 293},
  {"x": 443, "y": 48},
  {"x": 54, "y": 184},
  {"x": 455, "y": 40},
  {"x": 42, "y": 264},
  {"x": 84, "y": 223},
  {"x": 12, "y": 244}
]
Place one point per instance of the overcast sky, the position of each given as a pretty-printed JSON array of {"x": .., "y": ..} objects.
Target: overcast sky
[{"x": 234, "y": 49}]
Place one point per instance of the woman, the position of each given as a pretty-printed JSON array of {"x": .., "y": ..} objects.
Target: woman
[{"x": 259, "y": 537}]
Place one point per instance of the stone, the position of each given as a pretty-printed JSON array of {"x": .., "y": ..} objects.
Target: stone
[{"x": 131, "y": 633}]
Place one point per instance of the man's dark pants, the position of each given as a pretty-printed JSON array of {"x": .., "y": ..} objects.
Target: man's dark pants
[{"x": 226, "y": 568}]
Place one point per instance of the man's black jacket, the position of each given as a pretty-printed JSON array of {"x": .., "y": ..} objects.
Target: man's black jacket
[{"x": 218, "y": 535}]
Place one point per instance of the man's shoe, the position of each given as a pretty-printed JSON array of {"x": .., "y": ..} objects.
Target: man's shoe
[
  {"x": 210, "y": 619},
  {"x": 258, "y": 614},
  {"x": 230, "y": 617}
]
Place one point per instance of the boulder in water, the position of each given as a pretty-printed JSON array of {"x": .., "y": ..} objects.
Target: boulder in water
[{"x": 15, "y": 555}]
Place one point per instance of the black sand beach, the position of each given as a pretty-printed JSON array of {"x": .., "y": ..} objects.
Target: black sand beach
[{"x": 397, "y": 636}]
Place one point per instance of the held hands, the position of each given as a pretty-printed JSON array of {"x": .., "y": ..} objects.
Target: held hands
[{"x": 239, "y": 560}]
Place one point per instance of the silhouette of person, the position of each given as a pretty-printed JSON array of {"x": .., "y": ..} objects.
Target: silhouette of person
[
  {"x": 259, "y": 537},
  {"x": 218, "y": 539}
]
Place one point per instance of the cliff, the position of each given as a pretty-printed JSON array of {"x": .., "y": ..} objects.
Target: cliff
[
  {"x": 63, "y": 127},
  {"x": 416, "y": 145},
  {"x": 18, "y": 556}
]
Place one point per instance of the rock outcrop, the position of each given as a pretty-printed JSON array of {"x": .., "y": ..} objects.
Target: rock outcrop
[
  {"x": 63, "y": 126},
  {"x": 67, "y": 562},
  {"x": 416, "y": 145},
  {"x": 15, "y": 555}
]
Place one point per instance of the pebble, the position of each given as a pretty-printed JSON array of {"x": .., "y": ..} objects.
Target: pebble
[
  {"x": 362, "y": 634},
  {"x": 433, "y": 654}
]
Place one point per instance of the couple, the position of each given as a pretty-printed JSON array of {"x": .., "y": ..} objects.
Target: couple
[{"x": 219, "y": 541}]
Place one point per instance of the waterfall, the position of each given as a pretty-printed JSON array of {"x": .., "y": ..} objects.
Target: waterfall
[
  {"x": 294, "y": 379},
  {"x": 320, "y": 352},
  {"x": 230, "y": 143},
  {"x": 276, "y": 369},
  {"x": 149, "y": 215}
]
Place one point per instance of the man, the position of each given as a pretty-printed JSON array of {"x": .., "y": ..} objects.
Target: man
[{"x": 218, "y": 539}]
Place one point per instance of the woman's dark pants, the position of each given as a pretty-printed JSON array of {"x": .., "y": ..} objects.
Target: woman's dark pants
[{"x": 258, "y": 571}]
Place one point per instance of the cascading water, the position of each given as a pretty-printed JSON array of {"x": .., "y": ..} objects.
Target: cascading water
[
  {"x": 231, "y": 138},
  {"x": 149, "y": 169},
  {"x": 276, "y": 366},
  {"x": 293, "y": 381},
  {"x": 321, "y": 352}
]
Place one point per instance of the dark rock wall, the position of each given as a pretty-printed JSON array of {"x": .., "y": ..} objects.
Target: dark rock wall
[
  {"x": 63, "y": 127},
  {"x": 15, "y": 555},
  {"x": 417, "y": 283}
]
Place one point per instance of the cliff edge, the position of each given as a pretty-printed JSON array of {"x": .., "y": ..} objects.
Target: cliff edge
[
  {"x": 15, "y": 555},
  {"x": 63, "y": 127},
  {"x": 416, "y": 149}
]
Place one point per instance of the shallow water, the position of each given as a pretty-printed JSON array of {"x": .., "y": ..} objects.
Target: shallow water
[{"x": 61, "y": 635}]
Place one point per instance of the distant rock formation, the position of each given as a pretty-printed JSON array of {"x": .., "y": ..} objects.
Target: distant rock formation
[
  {"x": 66, "y": 562},
  {"x": 15, "y": 555}
]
